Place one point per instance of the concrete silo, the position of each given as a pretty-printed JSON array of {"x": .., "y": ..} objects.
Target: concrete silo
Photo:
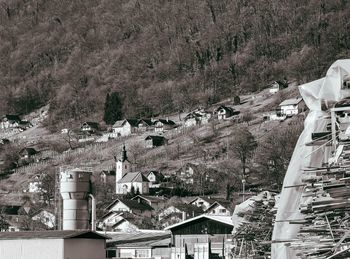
[{"x": 75, "y": 189}]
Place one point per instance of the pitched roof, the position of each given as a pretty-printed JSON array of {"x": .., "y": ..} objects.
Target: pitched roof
[
  {"x": 227, "y": 109},
  {"x": 149, "y": 122},
  {"x": 9, "y": 209},
  {"x": 132, "y": 204},
  {"x": 108, "y": 172},
  {"x": 120, "y": 123},
  {"x": 150, "y": 198},
  {"x": 92, "y": 124},
  {"x": 133, "y": 177},
  {"x": 56, "y": 234},
  {"x": 189, "y": 208},
  {"x": 154, "y": 137},
  {"x": 166, "y": 121},
  {"x": 155, "y": 238},
  {"x": 225, "y": 204},
  {"x": 12, "y": 117},
  {"x": 158, "y": 174},
  {"x": 222, "y": 219},
  {"x": 29, "y": 150},
  {"x": 292, "y": 101},
  {"x": 210, "y": 200}
]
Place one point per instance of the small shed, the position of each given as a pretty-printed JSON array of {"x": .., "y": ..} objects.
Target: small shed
[
  {"x": 155, "y": 141},
  {"x": 52, "y": 244}
]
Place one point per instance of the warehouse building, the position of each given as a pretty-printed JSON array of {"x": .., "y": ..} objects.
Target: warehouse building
[{"x": 63, "y": 244}]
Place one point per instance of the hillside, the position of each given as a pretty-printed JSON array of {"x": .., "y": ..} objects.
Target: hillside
[
  {"x": 160, "y": 56},
  {"x": 210, "y": 146}
]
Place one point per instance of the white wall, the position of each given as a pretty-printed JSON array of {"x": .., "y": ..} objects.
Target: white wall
[
  {"x": 81, "y": 248},
  {"x": 289, "y": 109},
  {"x": 120, "y": 207},
  {"x": 32, "y": 249}
]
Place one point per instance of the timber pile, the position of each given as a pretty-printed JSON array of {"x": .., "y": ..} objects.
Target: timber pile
[
  {"x": 325, "y": 229},
  {"x": 252, "y": 237}
]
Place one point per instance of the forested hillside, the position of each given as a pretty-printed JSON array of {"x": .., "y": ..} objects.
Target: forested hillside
[{"x": 160, "y": 56}]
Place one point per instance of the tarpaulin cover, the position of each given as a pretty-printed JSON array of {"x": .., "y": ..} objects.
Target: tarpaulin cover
[{"x": 324, "y": 90}]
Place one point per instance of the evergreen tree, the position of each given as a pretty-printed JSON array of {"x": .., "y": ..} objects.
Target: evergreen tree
[{"x": 113, "y": 108}]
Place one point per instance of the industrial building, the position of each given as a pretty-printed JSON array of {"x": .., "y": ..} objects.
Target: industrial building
[{"x": 72, "y": 244}]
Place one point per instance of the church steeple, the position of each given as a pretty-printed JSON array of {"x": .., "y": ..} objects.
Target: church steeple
[
  {"x": 124, "y": 156},
  {"x": 122, "y": 167}
]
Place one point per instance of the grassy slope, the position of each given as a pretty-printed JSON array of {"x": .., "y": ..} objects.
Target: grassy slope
[{"x": 199, "y": 144}]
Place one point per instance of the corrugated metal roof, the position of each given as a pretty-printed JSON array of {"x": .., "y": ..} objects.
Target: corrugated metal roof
[
  {"x": 57, "y": 234},
  {"x": 139, "y": 239}
]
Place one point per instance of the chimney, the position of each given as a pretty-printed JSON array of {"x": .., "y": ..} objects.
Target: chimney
[{"x": 183, "y": 215}]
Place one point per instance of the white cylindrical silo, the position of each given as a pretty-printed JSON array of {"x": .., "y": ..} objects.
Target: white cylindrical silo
[{"x": 75, "y": 189}]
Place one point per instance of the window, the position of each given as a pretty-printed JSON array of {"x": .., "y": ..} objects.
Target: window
[
  {"x": 222, "y": 210},
  {"x": 141, "y": 253}
]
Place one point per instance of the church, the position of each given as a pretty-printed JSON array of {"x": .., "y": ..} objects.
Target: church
[{"x": 125, "y": 179}]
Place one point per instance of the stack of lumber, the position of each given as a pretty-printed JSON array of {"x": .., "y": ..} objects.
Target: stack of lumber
[
  {"x": 251, "y": 237},
  {"x": 324, "y": 231}
]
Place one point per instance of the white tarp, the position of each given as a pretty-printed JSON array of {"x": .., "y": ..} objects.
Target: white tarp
[{"x": 327, "y": 89}]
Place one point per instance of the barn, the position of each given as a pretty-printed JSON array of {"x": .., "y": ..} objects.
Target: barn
[{"x": 204, "y": 237}]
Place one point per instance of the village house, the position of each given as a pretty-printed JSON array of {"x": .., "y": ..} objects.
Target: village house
[
  {"x": 162, "y": 125},
  {"x": 155, "y": 245},
  {"x": 154, "y": 177},
  {"x": 127, "y": 181},
  {"x": 202, "y": 202},
  {"x": 52, "y": 244},
  {"x": 132, "y": 206},
  {"x": 153, "y": 201},
  {"x": 220, "y": 208},
  {"x": 144, "y": 125},
  {"x": 273, "y": 116},
  {"x": 9, "y": 121},
  {"x": 45, "y": 217},
  {"x": 24, "y": 125},
  {"x": 276, "y": 86},
  {"x": 186, "y": 173},
  {"x": 117, "y": 222},
  {"x": 4, "y": 141},
  {"x": 107, "y": 176},
  {"x": 35, "y": 184},
  {"x": 125, "y": 127},
  {"x": 125, "y": 215},
  {"x": 290, "y": 107},
  {"x": 152, "y": 141},
  {"x": 204, "y": 236},
  {"x": 197, "y": 117},
  {"x": 27, "y": 153},
  {"x": 224, "y": 112},
  {"x": 90, "y": 127},
  {"x": 12, "y": 214},
  {"x": 177, "y": 213}
]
